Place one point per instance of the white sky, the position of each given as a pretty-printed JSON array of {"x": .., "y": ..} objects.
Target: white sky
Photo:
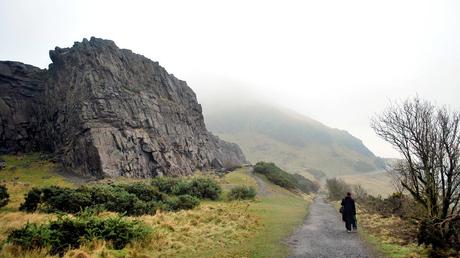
[{"x": 339, "y": 62}]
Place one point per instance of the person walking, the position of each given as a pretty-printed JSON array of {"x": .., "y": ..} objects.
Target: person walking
[{"x": 349, "y": 213}]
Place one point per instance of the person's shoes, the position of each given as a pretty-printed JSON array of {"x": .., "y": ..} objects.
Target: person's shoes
[{"x": 348, "y": 231}]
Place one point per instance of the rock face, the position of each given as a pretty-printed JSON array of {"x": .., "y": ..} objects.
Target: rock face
[
  {"x": 106, "y": 111},
  {"x": 20, "y": 89}
]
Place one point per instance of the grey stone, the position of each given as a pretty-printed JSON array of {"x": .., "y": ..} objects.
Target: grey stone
[{"x": 105, "y": 111}]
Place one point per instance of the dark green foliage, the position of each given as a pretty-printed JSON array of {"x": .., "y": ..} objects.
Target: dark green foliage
[
  {"x": 144, "y": 192},
  {"x": 242, "y": 193},
  {"x": 4, "y": 196},
  {"x": 304, "y": 184},
  {"x": 165, "y": 184},
  {"x": 205, "y": 188},
  {"x": 65, "y": 199},
  {"x": 32, "y": 200},
  {"x": 280, "y": 177},
  {"x": 200, "y": 187},
  {"x": 274, "y": 174},
  {"x": 132, "y": 199},
  {"x": 435, "y": 232},
  {"x": 65, "y": 233},
  {"x": 181, "y": 202}
]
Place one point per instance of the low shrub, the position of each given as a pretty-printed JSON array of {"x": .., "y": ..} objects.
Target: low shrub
[
  {"x": 242, "y": 193},
  {"x": 275, "y": 174},
  {"x": 199, "y": 187},
  {"x": 181, "y": 202},
  {"x": 165, "y": 184},
  {"x": 282, "y": 178},
  {"x": 304, "y": 184},
  {"x": 132, "y": 199},
  {"x": 71, "y": 232},
  {"x": 32, "y": 200},
  {"x": 4, "y": 196},
  {"x": 337, "y": 189},
  {"x": 205, "y": 188},
  {"x": 144, "y": 192}
]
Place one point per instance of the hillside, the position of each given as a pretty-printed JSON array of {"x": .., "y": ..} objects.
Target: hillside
[
  {"x": 215, "y": 228},
  {"x": 295, "y": 142}
]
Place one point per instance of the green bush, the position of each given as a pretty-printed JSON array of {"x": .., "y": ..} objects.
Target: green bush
[
  {"x": 282, "y": 178},
  {"x": 131, "y": 199},
  {"x": 165, "y": 184},
  {"x": 181, "y": 202},
  {"x": 32, "y": 200},
  {"x": 304, "y": 184},
  {"x": 205, "y": 188},
  {"x": 200, "y": 187},
  {"x": 4, "y": 196},
  {"x": 66, "y": 233},
  {"x": 242, "y": 193},
  {"x": 144, "y": 192}
]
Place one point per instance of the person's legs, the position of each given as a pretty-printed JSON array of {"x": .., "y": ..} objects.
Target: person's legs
[
  {"x": 348, "y": 224},
  {"x": 354, "y": 223}
]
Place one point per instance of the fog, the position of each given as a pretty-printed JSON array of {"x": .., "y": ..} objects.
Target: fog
[{"x": 339, "y": 62}]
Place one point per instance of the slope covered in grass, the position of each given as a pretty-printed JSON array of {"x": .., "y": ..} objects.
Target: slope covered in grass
[
  {"x": 294, "y": 142},
  {"x": 220, "y": 227}
]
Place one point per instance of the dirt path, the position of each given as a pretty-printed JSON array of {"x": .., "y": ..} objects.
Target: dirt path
[
  {"x": 261, "y": 184},
  {"x": 323, "y": 235}
]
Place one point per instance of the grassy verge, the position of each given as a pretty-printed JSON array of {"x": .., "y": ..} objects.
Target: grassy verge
[
  {"x": 213, "y": 229},
  {"x": 280, "y": 211},
  {"x": 390, "y": 236}
]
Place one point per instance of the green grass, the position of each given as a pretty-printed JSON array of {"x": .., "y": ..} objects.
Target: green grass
[
  {"x": 279, "y": 212},
  {"x": 392, "y": 250},
  {"x": 213, "y": 229},
  {"x": 30, "y": 171}
]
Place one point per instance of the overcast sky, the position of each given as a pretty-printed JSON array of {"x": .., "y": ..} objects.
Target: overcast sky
[{"x": 339, "y": 62}]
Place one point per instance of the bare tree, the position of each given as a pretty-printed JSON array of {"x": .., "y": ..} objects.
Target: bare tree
[{"x": 428, "y": 138}]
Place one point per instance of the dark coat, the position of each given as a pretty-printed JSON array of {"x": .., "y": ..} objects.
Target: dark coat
[{"x": 349, "y": 209}]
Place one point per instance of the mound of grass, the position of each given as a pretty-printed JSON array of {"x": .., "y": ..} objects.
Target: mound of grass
[
  {"x": 242, "y": 193},
  {"x": 282, "y": 178},
  {"x": 70, "y": 232}
]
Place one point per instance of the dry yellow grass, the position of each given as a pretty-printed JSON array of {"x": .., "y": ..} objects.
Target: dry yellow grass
[
  {"x": 213, "y": 229},
  {"x": 376, "y": 183},
  {"x": 392, "y": 236}
]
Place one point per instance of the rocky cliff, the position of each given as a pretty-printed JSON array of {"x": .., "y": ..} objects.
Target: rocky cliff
[{"x": 106, "y": 111}]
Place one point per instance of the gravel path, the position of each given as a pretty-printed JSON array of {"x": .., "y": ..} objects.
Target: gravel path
[
  {"x": 261, "y": 184},
  {"x": 323, "y": 235}
]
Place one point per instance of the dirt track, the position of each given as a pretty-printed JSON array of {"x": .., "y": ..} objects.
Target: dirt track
[{"x": 323, "y": 235}]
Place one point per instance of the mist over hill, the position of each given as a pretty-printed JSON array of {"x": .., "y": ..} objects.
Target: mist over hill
[{"x": 295, "y": 142}]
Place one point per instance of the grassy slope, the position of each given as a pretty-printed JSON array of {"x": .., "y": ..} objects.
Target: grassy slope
[
  {"x": 294, "y": 142},
  {"x": 376, "y": 183},
  {"x": 214, "y": 229}
]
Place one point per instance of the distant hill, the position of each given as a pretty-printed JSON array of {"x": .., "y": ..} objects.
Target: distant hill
[{"x": 295, "y": 142}]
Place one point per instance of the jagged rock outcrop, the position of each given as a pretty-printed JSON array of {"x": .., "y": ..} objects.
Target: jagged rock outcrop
[
  {"x": 20, "y": 89},
  {"x": 106, "y": 111}
]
